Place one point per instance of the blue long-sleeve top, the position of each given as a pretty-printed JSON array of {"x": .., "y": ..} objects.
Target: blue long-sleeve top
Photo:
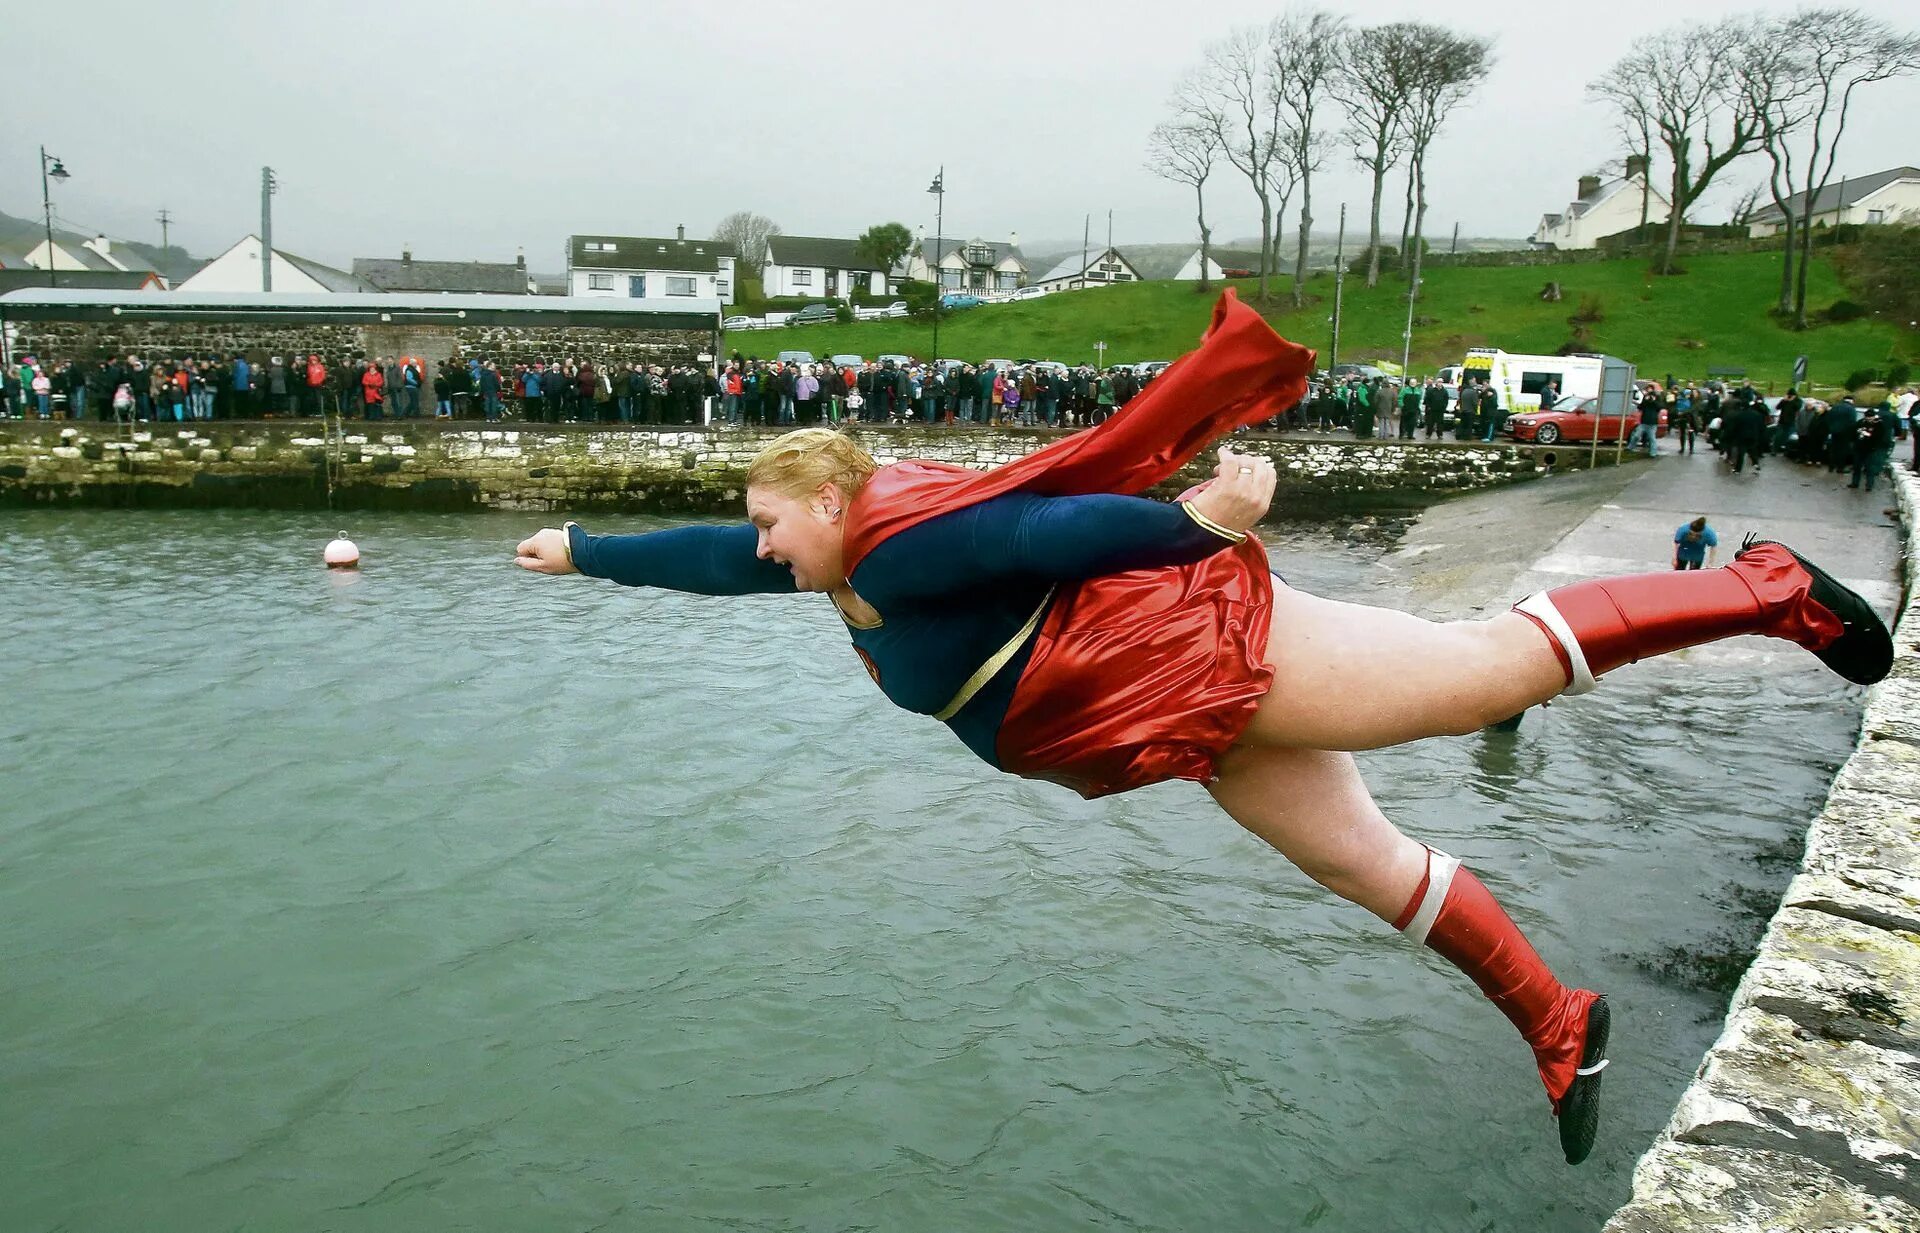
[{"x": 950, "y": 591}]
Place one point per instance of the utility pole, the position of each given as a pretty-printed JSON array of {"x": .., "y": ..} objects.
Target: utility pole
[
  {"x": 163, "y": 219},
  {"x": 1339, "y": 279},
  {"x": 1413, "y": 294},
  {"x": 1455, "y": 250},
  {"x": 1109, "y": 230},
  {"x": 268, "y": 187},
  {"x": 939, "y": 190},
  {"x": 1086, "y": 234}
]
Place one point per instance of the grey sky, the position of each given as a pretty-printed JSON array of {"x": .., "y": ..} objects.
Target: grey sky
[{"x": 467, "y": 129}]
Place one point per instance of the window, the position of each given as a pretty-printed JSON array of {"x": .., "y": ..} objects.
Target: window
[
  {"x": 722, "y": 287},
  {"x": 803, "y": 278},
  {"x": 1876, "y": 217},
  {"x": 1096, "y": 276},
  {"x": 949, "y": 278},
  {"x": 601, "y": 246},
  {"x": 1534, "y": 382},
  {"x": 1111, "y": 267},
  {"x": 980, "y": 256},
  {"x": 600, "y": 282},
  {"x": 592, "y": 246},
  {"x": 1123, "y": 278},
  {"x": 679, "y": 286}
]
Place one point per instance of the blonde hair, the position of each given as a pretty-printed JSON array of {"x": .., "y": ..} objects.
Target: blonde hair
[{"x": 801, "y": 461}]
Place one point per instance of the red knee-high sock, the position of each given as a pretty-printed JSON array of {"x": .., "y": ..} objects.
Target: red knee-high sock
[
  {"x": 1597, "y": 626},
  {"x": 1454, "y": 914}
]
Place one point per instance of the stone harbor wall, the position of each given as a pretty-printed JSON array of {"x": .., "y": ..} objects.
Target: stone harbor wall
[
  {"x": 305, "y": 464},
  {"x": 1805, "y": 1114}
]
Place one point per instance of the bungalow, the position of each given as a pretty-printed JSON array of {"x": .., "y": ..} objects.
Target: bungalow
[
  {"x": 969, "y": 265},
  {"x": 99, "y": 254},
  {"x": 92, "y": 280},
  {"x": 446, "y": 277},
  {"x": 802, "y": 265},
  {"x": 1891, "y": 196},
  {"x": 238, "y": 270},
  {"x": 648, "y": 268},
  {"x": 1075, "y": 271},
  {"x": 1601, "y": 208}
]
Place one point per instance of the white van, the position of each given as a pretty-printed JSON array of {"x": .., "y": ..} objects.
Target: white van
[{"x": 1518, "y": 379}]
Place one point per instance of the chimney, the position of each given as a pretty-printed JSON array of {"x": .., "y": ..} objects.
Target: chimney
[
  {"x": 1589, "y": 185},
  {"x": 1013, "y": 239},
  {"x": 680, "y": 233},
  {"x": 1636, "y": 165},
  {"x": 102, "y": 245},
  {"x": 520, "y": 258},
  {"x": 406, "y": 254}
]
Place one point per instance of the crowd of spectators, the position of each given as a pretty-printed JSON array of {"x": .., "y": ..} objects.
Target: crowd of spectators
[{"x": 776, "y": 393}]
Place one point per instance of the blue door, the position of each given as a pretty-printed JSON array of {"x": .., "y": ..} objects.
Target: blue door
[{"x": 637, "y": 286}]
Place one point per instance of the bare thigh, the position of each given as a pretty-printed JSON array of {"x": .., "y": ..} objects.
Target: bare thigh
[
  {"x": 1349, "y": 676},
  {"x": 1313, "y": 807}
]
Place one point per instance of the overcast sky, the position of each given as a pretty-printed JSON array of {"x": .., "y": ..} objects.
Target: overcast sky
[{"x": 471, "y": 129}]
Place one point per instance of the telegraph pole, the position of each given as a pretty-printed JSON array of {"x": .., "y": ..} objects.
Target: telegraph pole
[
  {"x": 1339, "y": 278},
  {"x": 268, "y": 187},
  {"x": 163, "y": 219}
]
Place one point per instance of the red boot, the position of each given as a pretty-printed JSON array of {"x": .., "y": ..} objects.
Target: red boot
[
  {"x": 1768, "y": 589},
  {"x": 1452, "y": 913}
]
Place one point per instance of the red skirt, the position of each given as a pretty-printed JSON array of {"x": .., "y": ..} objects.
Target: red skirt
[{"x": 1145, "y": 676}]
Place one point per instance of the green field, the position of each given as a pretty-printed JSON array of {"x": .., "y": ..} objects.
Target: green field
[{"x": 1714, "y": 315}]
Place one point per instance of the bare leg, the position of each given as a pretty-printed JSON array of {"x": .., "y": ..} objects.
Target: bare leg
[
  {"x": 1312, "y": 806},
  {"x": 1347, "y": 676}
]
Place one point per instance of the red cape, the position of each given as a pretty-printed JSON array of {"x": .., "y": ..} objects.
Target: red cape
[{"x": 1241, "y": 373}]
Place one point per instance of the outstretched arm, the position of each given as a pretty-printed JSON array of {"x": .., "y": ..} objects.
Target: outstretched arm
[
  {"x": 700, "y": 560},
  {"x": 1034, "y": 538}
]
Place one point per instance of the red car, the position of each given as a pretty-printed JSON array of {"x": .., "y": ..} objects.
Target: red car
[{"x": 1577, "y": 421}]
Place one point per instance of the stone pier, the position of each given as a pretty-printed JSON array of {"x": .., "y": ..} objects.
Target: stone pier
[
  {"x": 429, "y": 465},
  {"x": 1805, "y": 1114}
]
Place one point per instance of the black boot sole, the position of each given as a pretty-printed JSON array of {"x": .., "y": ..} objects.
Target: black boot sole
[
  {"x": 1863, "y": 653},
  {"x": 1580, "y": 1107}
]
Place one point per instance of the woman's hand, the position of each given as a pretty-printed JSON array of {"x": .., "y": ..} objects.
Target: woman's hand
[
  {"x": 545, "y": 552},
  {"x": 1240, "y": 493}
]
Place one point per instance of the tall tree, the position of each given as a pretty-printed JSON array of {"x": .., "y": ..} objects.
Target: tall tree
[
  {"x": 1772, "y": 75},
  {"x": 1844, "y": 49},
  {"x": 885, "y": 244},
  {"x": 1447, "y": 67},
  {"x": 1307, "y": 47},
  {"x": 1233, "y": 95},
  {"x": 1184, "y": 150},
  {"x": 748, "y": 233},
  {"x": 1373, "y": 85},
  {"x": 1683, "y": 79}
]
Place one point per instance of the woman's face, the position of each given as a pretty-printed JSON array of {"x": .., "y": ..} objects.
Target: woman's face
[{"x": 803, "y": 534}]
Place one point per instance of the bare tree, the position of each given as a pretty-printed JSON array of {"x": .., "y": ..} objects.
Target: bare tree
[
  {"x": 1372, "y": 87},
  {"x": 1233, "y": 96},
  {"x": 1772, "y": 75},
  {"x": 1446, "y": 69},
  {"x": 748, "y": 233},
  {"x": 1683, "y": 80},
  {"x": 1744, "y": 205},
  {"x": 1184, "y": 150},
  {"x": 1307, "y": 47},
  {"x": 1843, "y": 49}
]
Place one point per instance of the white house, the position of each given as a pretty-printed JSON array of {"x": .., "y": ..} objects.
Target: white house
[
  {"x": 802, "y": 265},
  {"x": 238, "y": 270},
  {"x": 1603, "y": 207},
  {"x": 969, "y": 265},
  {"x": 649, "y": 268},
  {"x": 1891, "y": 196},
  {"x": 1099, "y": 268}
]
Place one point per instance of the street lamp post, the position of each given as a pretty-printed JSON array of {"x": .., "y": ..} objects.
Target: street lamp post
[
  {"x": 50, "y": 168},
  {"x": 939, "y": 190}
]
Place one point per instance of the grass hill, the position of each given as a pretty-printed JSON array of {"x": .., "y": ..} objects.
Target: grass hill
[{"x": 1714, "y": 315}]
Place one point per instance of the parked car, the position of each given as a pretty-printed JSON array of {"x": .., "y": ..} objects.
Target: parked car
[
  {"x": 1002, "y": 365},
  {"x": 815, "y": 314},
  {"x": 1150, "y": 368},
  {"x": 846, "y": 361},
  {"x": 896, "y": 309},
  {"x": 960, "y": 299},
  {"x": 898, "y": 361},
  {"x": 1027, "y": 293},
  {"x": 795, "y": 357},
  {"x": 739, "y": 323},
  {"x": 1578, "y": 421}
]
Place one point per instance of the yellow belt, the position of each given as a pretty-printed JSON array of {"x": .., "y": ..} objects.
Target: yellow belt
[{"x": 996, "y": 661}]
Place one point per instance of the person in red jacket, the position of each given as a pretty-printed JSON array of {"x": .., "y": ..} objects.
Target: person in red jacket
[
  {"x": 373, "y": 388},
  {"x": 315, "y": 401},
  {"x": 1105, "y": 642}
]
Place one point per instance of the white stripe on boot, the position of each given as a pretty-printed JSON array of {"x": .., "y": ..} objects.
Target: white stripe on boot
[
  {"x": 1540, "y": 608},
  {"x": 1440, "y": 869}
]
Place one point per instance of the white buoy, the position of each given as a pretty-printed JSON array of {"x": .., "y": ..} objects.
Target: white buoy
[{"x": 343, "y": 553}]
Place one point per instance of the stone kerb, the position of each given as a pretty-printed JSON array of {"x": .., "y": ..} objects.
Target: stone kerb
[
  {"x": 413, "y": 464},
  {"x": 1805, "y": 1114}
]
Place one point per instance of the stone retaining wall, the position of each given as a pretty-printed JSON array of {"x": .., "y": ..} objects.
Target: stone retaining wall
[
  {"x": 1805, "y": 1114},
  {"x": 426, "y": 465}
]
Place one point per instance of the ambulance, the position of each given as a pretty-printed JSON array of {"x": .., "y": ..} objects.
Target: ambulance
[{"x": 1518, "y": 379}]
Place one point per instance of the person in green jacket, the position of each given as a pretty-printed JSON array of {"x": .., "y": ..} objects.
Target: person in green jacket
[
  {"x": 1361, "y": 412},
  {"x": 1409, "y": 408},
  {"x": 1103, "y": 398}
]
